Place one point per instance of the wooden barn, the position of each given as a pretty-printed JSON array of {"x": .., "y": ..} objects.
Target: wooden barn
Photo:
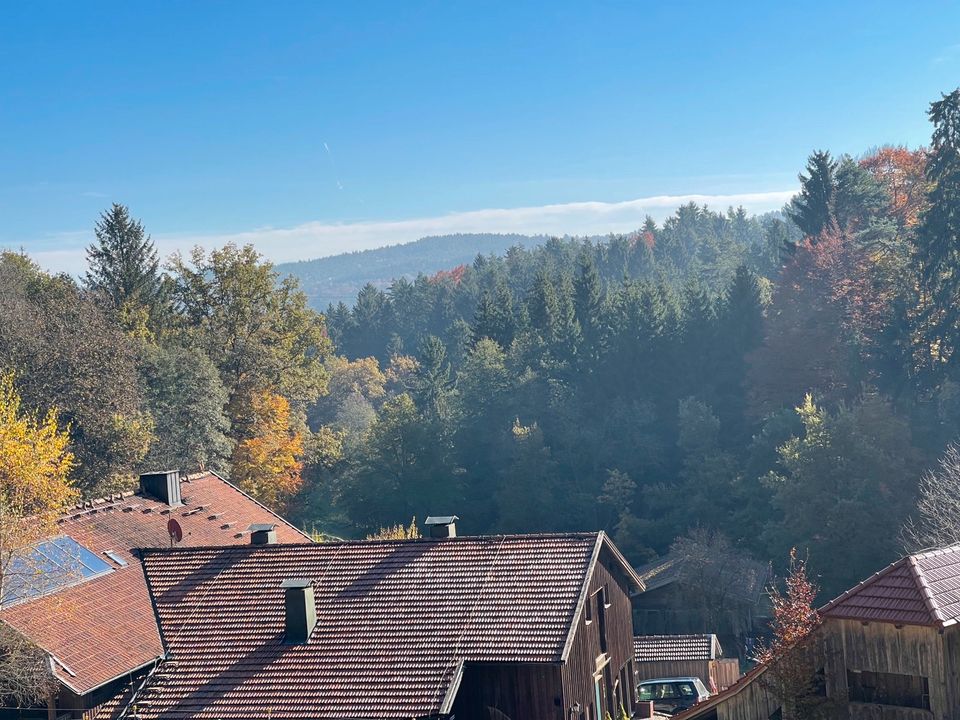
[
  {"x": 889, "y": 649},
  {"x": 521, "y": 627},
  {"x": 663, "y": 656},
  {"x": 696, "y": 590}
]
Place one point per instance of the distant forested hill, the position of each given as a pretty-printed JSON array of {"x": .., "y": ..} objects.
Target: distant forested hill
[{"x": 336, "y": 279}]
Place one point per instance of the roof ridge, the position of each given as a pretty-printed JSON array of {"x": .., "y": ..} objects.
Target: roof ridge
[
  {"x": 925, "y": 589},
  {"x": 932, "y": 552},
  {"x": 861, "y": 585},
  {"x": 364, "y": 543}
]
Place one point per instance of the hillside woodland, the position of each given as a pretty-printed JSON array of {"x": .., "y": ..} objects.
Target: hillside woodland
[
  {"x": 339, "y": 278},
  {"x": 775, "y": 381}
]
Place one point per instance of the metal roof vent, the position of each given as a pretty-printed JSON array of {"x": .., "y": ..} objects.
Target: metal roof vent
[
  {"x": 263, "y": 534},
  {"x": 163, "y": 485},
  {"x": 300, "y": 610},
  {"x": 442, "y": 526}
]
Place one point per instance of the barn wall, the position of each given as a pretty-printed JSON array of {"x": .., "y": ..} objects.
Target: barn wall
[
  {"x": 882, "y": 647},
  {"x": 582, "y": 664},
  {"x": 519, "y": 692},
  {"x": 753, "y": 702}
]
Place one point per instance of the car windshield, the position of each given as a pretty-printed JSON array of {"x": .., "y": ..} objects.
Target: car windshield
[
  {"x": 658, "y": 691},
  {"x": 687, "y": 689}
]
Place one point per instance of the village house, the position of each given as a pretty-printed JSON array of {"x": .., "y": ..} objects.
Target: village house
[
  {"x": 664, "y": 656},
  {"x": 890, "y": 649},
  {"x": 521, "y": 627},
  {"x": 85, "y": 601}
]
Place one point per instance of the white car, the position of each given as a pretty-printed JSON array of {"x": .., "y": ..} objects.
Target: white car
[{"x": 672, "y": 695}]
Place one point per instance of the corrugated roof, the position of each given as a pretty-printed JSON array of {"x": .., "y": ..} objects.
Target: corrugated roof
[
  {"x": 396, "y": 620},
  {"x": 105, "y": 628},
  {"x": 920, "y": 589},
  {"x": 657, "y": 648}
]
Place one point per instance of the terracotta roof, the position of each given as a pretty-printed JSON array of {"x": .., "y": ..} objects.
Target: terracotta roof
[
  {"x": 921, "y": 589},
  {"x": 396, "y": 621},
  {"x": 105, "y": 627},
  {"x": 655, "y": 648}
]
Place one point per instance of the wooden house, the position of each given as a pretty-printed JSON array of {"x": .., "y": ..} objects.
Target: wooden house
[
  {"x": 522, "y": 627},
  {"x": 663, "y": 656},
  {"x": 83, "y": 600}
]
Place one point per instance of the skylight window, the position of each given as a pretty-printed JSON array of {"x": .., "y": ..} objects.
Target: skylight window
[{"x": 48, "y": 566}]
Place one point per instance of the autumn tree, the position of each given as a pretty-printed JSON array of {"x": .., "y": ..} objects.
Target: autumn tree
[
  {"x": 35, "y": 488},
  {"x": 71, "y": 355},
  {"x": 267, "y": 462},
  {"x": 397, "y": 532},
  {"x": 793, "y": 655}
]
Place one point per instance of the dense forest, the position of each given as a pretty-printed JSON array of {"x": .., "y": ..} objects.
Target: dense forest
[
  {"x": 338, "y": 278},
  {"x": 781, "y": 381}
]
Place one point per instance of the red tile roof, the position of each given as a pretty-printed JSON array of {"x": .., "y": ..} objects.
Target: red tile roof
[
  {"x": 921, "y": 589},
  {"x": 105, "y": 628},
  {"x": 656, "y": 648},
  {"x": 396, "y": 620}
]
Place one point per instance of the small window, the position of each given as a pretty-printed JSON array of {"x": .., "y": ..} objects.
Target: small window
[
  {"x": 605, "y": 596},
  {"x": 588, "y": 610},
  {"x": 116, "y": 558}
]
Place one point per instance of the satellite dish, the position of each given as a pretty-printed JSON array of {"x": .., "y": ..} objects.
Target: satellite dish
[{"x": 176, "y": 532}]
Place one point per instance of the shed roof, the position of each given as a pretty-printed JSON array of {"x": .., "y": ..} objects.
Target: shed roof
[
  {"x": 105, "y": 628},
  {"x": 396, "y": 621},
  {"x": 660, "y": 648},
  {"x": 919, "y": 589}
]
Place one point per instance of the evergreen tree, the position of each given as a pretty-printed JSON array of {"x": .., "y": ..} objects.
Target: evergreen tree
[
  {"x": 123, "y": 264},
  {"x": 813, "y": 208},
  {"x": 938, "y": 235},
  {"x": 588, "y": 301}
]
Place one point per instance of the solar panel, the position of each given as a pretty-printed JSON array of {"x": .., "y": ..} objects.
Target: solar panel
[{"x": 48, "y": 566}]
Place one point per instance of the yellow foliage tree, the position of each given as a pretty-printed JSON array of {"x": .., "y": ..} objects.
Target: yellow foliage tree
[
  {"x": 397, "y": 532},
  {"x": 35, "y": 488},
  {"x": 268, "y": 463},
  {"x": 35, "y": 464}
]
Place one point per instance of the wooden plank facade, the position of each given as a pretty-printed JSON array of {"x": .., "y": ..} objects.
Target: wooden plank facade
[{"x": 595, "y": 679}]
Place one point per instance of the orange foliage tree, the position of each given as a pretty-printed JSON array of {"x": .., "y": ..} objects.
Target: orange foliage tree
[
  {"x": 792, "y": 656},
  {"x": 268, "y": 462},
  {"x": 901, "y": 172}
]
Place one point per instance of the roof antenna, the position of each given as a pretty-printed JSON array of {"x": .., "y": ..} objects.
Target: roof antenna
[{"x": 176, "y": 532}]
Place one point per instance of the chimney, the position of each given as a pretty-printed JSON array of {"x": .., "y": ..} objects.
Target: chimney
[
  {"x": 263, "y": 534},
  {"x": 300, "y": 610},
  {"x": 442, "y": 526},
  {"x": 164, "y": 486}
]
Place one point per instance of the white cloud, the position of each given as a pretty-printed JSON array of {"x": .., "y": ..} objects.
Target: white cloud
[{"x": 319, "y": 239}]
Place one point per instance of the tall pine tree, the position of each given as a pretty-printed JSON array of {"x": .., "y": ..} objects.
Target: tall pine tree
[
  {"x": 938, "y": 235},
  {"x": 123, "y": 265}
]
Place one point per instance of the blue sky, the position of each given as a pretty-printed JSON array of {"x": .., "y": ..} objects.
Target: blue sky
[{"x": 310, "y": 127}]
